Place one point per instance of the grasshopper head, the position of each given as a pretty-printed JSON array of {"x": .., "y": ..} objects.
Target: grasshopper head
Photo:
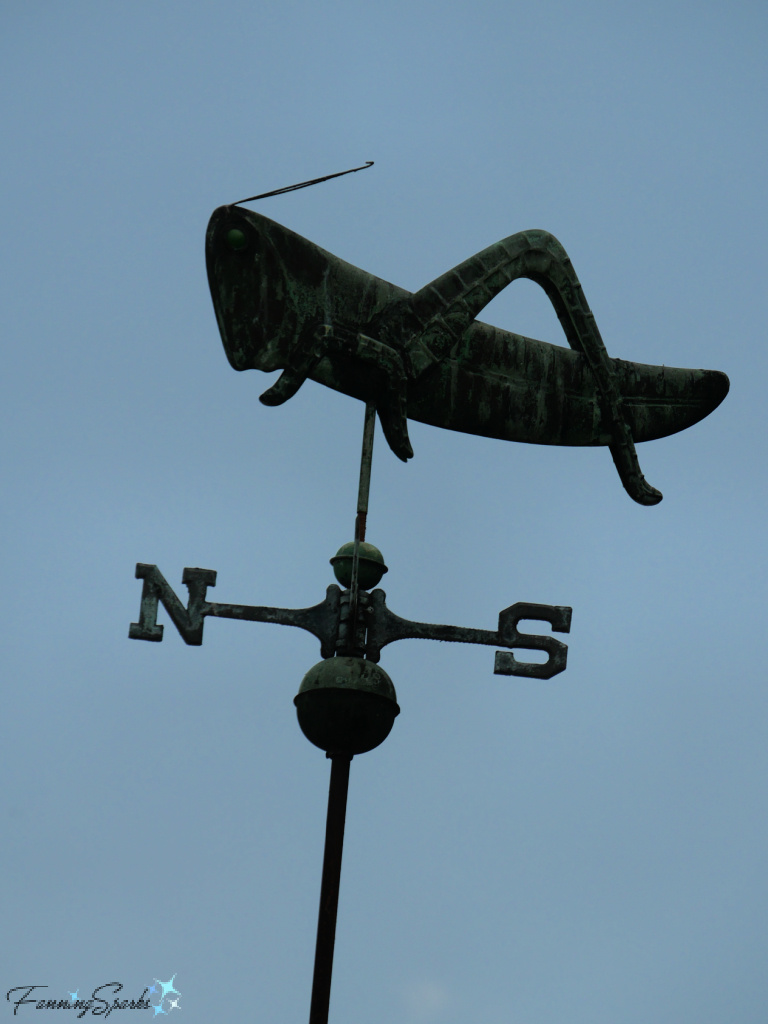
[{"x": 262, "y": 278}]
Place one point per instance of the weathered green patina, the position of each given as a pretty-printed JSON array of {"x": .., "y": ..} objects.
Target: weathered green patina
[{"x": 284, "y": 303}]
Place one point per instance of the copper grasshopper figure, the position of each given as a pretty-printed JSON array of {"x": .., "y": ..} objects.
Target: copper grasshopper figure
[{"x": 282, "y": 302}]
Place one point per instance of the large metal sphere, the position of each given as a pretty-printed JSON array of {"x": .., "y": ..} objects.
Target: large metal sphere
[{"x": 346, "y": 705}]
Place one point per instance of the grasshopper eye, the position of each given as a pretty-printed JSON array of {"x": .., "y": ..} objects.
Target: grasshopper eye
[{"x": 236, "y": 239}]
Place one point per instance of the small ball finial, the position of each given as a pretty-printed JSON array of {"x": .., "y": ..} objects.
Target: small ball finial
[{"x": 371, "y": 565}]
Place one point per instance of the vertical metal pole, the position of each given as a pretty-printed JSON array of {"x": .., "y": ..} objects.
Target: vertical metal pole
[
  {"x": 337, "y": 791},
  {"x": 362, "y": 510},
  {"x": 365, "y": 471},
  {"x": 329, "y": 888}
]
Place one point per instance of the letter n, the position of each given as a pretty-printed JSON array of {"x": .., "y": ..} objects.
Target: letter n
[{"x": 188, "y": 621}]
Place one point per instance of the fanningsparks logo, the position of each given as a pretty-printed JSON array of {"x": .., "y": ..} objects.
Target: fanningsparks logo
[{"x": 98, "y": 1003}]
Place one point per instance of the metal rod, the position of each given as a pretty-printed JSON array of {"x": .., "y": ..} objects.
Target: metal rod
[
  {"x": 366, "y": 459},
  {"x": 363, "y": 491},
  {"x": 329, "y": 887}
]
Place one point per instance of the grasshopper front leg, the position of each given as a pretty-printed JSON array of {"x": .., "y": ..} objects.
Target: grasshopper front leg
[
  {"x": 391, "y": 391},
  {"x": 379, "y": 366}
]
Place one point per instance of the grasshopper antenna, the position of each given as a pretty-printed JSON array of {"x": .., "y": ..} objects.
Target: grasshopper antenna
[{"x": 303, "y": 184}]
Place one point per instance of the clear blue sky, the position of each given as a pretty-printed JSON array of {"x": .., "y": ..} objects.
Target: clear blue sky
[{"x": 589, "y": 850}]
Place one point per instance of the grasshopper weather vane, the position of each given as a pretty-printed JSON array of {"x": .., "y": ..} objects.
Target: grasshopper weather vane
[{"x": 283, "y": 303}]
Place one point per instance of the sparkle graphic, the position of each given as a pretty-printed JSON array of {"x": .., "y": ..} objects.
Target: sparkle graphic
[
  {"x": 73, "y": 995},
  {"x": 152, "y": 989},
  {"x": 159, "y": 1007},
  {"x": 167, "y": 987},
  {"x": 174, "y": 1004}
]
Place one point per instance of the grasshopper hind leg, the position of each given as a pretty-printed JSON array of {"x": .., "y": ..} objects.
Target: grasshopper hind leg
[
  {"x": 447, "y": 307},
  {"x": 547, "y": 263}
]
